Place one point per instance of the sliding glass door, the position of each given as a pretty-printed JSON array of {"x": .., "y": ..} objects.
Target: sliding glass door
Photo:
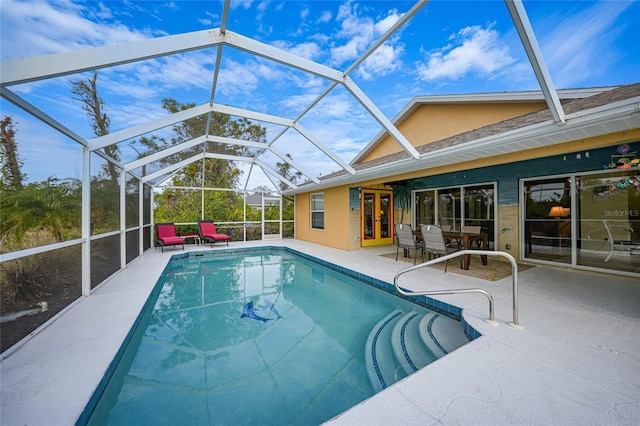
[
  {"x": 449, "y": 210},
  {"x": 457, "y": 207},
  {"x": 547, "y": 219},
  {"x": 589, "y": 221},
  {"x": 608, "y": 225},
  {"x": 479, "y": 209}
]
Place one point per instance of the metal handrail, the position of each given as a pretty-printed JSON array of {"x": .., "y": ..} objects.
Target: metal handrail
[{"x": 491, "y": 319}]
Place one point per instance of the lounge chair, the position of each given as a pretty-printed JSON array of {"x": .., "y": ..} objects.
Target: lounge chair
[
  {"x": 166, "y": 236},
  {"x": 208, "y": 233}
]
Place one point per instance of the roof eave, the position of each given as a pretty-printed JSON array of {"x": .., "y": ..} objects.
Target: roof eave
[
  {"x": 490, "y": 97},
  {"x": 625, "y": 114}
]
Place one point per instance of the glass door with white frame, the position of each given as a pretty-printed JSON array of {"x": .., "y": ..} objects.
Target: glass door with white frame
[
  {"x": 608, "y": 226},
  {"x": 449, "y": 210},
  {"x": 547, "y": 219},
  {"x": 479, "y": 209}
]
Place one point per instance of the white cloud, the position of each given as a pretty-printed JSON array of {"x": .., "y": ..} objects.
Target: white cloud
[
  {"x": 243, "y": 4},
  {"x": 387, "y": 22},
  {"x": 472, "y": 49},
  {"x": 262, "y": 6},
  {"x": 346, "y": 52},
  {"x": 103, "y": 12},
  {"x": 325, "y": 17},
  {"x": 309, "y": 50},
  {"x": 360, "y": 32},
  {"x": 236, "y": 78},
  {"x": 45, "y": 28},
  {"x": 385, "y": 60}
]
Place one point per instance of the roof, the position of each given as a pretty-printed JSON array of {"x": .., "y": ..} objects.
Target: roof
[
  {"x": 476, "y": 98},
  {"x": 608, "y": 111},
  {"x": 256, "y": 200}
]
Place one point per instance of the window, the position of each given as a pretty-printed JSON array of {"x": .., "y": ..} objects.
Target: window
[
  {"x": 547, "y": 219},
  {"x": 317, "y": 211},
  {"x": 458, "y": 207},
  {"x": 588, "y": 220}
]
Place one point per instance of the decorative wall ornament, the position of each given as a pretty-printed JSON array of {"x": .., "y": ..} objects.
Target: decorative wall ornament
[
  {"x": 625, "y": 183},
  {"x": 624, "y": 158}
]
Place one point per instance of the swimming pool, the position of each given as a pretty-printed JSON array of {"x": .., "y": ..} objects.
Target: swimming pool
[{"x": 265, "y": 336}]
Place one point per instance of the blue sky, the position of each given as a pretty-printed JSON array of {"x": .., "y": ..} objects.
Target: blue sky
[{"x": 449, "y": 47}]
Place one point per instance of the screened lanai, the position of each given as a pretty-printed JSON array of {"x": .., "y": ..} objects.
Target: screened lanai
[{"x": 111, "y": 153}]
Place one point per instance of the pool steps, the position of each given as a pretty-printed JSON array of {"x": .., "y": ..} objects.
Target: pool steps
[
  {"x": 411, "y": 348},
  {"x": 402, "y": 343},
  {"x": 441, "y": 334}
]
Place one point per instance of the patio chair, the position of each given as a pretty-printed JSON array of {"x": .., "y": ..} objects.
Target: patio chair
[
  {"x": 433, "y": 243},
  {"x": 450, "y": 242},
  {"x": 474, "y": 229},
  {"x": 166, "y": 236},
  {"x": 209, "y": 234},
  {"x": 406, "y": 239}
]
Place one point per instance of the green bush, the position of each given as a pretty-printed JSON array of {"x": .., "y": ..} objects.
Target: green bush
[{"x": 30, "y": 279}]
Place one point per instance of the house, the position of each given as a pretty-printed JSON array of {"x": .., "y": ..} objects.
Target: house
[
  {"x": 257, "y": 199},
  {"x": 501, "y": 161}
]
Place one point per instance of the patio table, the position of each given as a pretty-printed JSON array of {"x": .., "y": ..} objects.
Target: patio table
[{"x": 465, "y": 238}]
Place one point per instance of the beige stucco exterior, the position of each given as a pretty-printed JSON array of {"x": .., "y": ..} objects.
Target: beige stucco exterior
[
  {"x": 337, "y": 221},
  {"x": 433, "y": 122},
  {"x": 342, "y": 225}
]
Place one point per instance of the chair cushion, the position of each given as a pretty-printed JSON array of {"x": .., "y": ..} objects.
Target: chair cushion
[
  {"x": 166, "y": 231},
  {"x": 172, "y": 240},
  {"x": 208, "y": 230},
  {"x": 217, "y": 237}
]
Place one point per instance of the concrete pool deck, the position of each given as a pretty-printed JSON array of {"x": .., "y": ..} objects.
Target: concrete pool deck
[{"x": 575, "y": 361}]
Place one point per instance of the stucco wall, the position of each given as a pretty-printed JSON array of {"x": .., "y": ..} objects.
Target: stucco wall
[
  {"x": 342, "y": 222},
  {"x": 337, "y": 219},
  {"x": 432, "y": 122}
]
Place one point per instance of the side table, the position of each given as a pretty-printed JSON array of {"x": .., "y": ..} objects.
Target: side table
[{"x": 196, "y": 238}]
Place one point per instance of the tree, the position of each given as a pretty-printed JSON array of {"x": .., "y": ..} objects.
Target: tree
[
  {"x": 52, "y": 206},
  {"x": 183, "y": 204},
  {"x": 93, "y": 105},
  {"x": 218, "y": 173},
  {"x": 288, "y": 202},
  {"x": 10, "y": 175},
  {"x": 263, "y": 189},
  {"x": 104, "y": 190},
  {"x": 285, "y": 170}
]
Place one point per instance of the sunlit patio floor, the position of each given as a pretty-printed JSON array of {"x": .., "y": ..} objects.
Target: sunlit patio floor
[{"x": 575, "y": 361}]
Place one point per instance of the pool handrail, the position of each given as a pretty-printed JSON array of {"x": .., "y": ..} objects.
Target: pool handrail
[{"x": 491, "y": 319}]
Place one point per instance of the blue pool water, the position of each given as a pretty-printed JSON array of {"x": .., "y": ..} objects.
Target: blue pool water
[{"x": 297, "y": 358}]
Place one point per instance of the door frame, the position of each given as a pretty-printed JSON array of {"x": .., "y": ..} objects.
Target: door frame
[{"x": 378, "y": 239}]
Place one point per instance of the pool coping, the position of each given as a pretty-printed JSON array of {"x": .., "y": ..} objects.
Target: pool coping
[{"x": 575, "y": 361}]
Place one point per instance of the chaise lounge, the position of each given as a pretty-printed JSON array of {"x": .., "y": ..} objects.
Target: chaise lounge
[
  {"x": 209, "y": 234},
  {"x": 166, "y": 236}
]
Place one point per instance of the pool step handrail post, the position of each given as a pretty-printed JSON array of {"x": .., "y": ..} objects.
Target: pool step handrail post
[{"x": 491, "y": 319}]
